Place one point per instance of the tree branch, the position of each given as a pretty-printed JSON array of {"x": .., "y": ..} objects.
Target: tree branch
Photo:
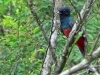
[
  {"x": 84, "y": 15},
  {"x": 83, "y": 64},
  {"x": 76, "y": 10},
  {"x": 95, "y": 43},
  {"x": 31, "y": 6},
  {"x": 50, "y": 53}
]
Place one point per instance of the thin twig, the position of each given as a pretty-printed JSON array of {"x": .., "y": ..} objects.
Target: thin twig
[
  {"x": 76, "y": 10},
  {"x": 95, "y": 43},
  {"x": 31, "y": 6}
]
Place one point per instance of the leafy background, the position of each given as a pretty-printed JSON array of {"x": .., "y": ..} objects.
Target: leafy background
[{"x": 23, "y": 47}]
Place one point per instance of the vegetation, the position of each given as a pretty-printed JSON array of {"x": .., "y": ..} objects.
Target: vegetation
[{"x": 22, "y": 45}]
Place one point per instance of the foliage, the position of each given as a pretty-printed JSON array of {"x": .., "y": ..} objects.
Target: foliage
[{"x": 23, "y": 47}]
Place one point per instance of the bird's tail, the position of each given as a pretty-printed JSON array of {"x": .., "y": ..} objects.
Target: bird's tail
[{"x": 81, "y": 44}]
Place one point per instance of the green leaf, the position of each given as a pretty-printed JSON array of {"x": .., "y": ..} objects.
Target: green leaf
[{"x": 36, "y": 29}]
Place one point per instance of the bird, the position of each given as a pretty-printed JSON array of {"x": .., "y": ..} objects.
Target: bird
[{"x": 67, "y": 23}]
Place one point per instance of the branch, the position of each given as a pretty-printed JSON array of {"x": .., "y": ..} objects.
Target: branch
[
  {"x": 85, "y": 71},
  {"x": 84, "y": 15},
  {"x": 93, "y": 69},
  {"x": 50, "y": 53},
  {"x": 95, "y": 43},
  {"x": 83, "y": 64},
  {"x": 76, "y": 10},
  {"x": 31, "y": 6}
]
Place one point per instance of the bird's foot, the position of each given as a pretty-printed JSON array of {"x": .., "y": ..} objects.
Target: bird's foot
[{"x": 88, "y": 57}]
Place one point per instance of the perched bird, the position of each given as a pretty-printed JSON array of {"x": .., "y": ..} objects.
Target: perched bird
[{"x": 66, "y": 26}]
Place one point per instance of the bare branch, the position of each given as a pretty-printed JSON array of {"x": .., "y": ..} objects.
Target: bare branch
[
  {"x": 50, "y": 54},
  {"x": 95, "y": 43},
  {"x": 83, "y": 64},
  {"x": 85, "y": 71},
  {"x": 93, "y": 69},
  {"x": 31, "y": 6},
  {"x": 75, "y": 9}
]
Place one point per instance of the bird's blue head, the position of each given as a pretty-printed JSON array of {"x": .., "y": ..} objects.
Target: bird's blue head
[{"x": 64, "y": 12}]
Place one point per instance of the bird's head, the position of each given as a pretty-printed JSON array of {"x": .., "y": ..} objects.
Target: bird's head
[{"x": 64, "y": 12}]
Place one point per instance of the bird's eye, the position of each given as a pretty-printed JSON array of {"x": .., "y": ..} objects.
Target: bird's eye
[{"x": 64, "y": 11}]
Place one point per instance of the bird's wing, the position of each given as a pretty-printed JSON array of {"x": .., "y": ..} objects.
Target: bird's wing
[{"x": 71, "y": 23}]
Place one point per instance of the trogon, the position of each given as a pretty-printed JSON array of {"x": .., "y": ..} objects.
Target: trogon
[{"x": 66, "y": 26}]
